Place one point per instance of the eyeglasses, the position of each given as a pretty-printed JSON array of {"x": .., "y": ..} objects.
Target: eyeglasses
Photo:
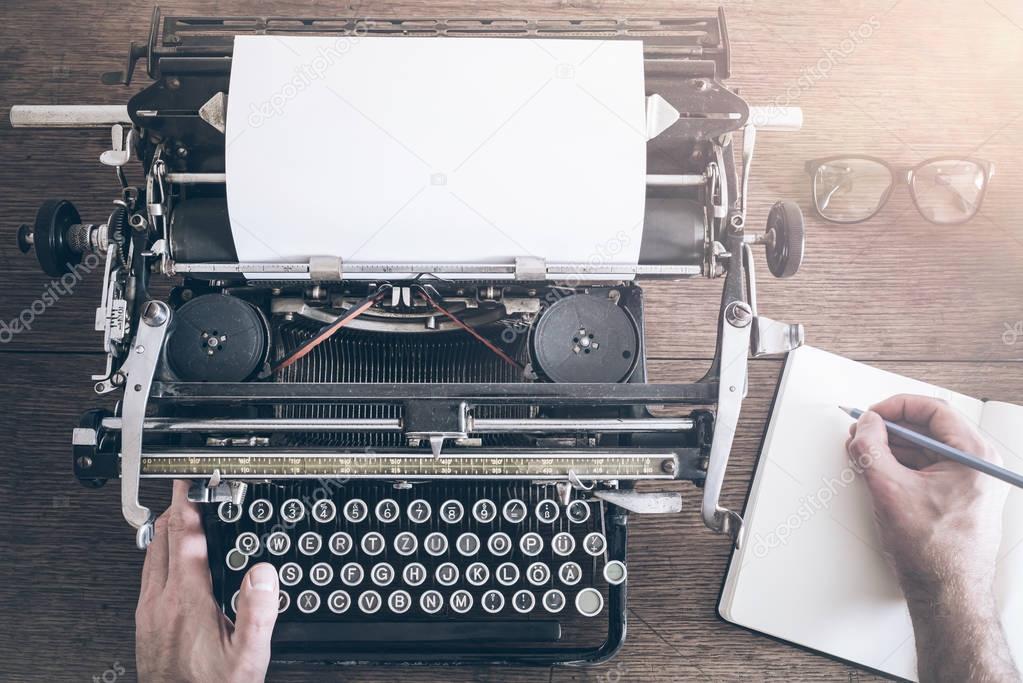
[{"x": 852, "y": 189}]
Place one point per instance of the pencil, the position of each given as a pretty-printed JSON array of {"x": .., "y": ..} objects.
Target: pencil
[{"x": 945, "y": 450}]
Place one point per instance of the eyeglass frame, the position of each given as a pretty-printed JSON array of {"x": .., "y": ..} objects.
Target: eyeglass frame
[{"x": 900, "y": 175}]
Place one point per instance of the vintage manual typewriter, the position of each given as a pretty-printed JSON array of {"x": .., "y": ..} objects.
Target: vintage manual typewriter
[{"x": 432, "y": 488}]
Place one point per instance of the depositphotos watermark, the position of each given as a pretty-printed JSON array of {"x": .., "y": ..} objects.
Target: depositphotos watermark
[
  {"x": 305, "y": 75},
  {"x": 810, "y": 505},
  {"x": 53, "y": 293},
  {"x": 821, "y": 69},
  {"x": 1012, "y": 333}
]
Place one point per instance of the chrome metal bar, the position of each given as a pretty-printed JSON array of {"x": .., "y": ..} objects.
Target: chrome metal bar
[
  {"x": 482, "y": 426},
  {"x": 554, "y": 270},
  {"x": 163, "y": 424},
  {"x": 692, "y": 179},
  {"x": 686, "y": 180},
  {"x": 68, "y": 115},
  {"x": 196, "y": 178},
  {"x": 653, "y": 424}
]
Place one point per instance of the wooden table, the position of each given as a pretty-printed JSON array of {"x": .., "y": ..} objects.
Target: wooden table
[{"x": 921, "y": 79}]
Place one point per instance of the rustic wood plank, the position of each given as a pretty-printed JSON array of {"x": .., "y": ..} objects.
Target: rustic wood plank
[
  {"x": 70, "y": 574},
  {"x": 894, "y": 288}
]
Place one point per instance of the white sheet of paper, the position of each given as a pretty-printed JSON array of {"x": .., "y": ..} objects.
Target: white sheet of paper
[{"x": 446, "y": 150}]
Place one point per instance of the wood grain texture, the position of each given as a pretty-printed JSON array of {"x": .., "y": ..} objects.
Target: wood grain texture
[
  {"x": 69, "y": 574},
  {"x": 931, "y": 78}
]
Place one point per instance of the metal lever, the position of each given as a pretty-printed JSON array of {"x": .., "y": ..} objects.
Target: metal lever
[
  {"x": 122, "y": 147},
  {"x": 137, "y": 372},
  {"x": 735, "y": 341},
  {"x": 642, "y": 503}
]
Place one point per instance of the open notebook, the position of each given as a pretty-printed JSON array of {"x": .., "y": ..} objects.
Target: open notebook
[{"x": 810, "y": 570}]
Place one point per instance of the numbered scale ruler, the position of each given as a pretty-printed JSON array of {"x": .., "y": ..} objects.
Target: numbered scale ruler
[{"x": 238, "y": 463}]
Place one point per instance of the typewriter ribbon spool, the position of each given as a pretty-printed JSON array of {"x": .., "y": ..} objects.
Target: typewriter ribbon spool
[{"x": 585, "y": 338}]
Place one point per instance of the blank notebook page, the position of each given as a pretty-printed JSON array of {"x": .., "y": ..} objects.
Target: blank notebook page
[{"x": 811, "y": 570}]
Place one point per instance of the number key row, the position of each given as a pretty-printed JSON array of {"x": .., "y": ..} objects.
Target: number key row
[{"x": 388, "y": 510}]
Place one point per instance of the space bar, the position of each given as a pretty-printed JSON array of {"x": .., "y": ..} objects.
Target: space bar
[{"x": 417, "y": 631}]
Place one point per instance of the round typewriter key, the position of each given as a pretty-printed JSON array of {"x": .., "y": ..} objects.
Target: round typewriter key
[
  {"x": 399, "y": 601},
  {"x": 247, "y": 543},
  {"x": 308, "y": 602},
  {"x": 236, "y": 559},
  {"x": 615, "y": 572},
  {"x": 484, "y": 511},
  {"x": 355, "y": 510},
  {"x": 507, "y": 574},
  {"x": 563, "y": 543},
  {"x": 352, "y": 574},
  {"x": 436, "y": 543},
  {"x": 499, "y": 544},
  {"x": 578, "y": 511},
  {"x": 369, "y": 602},
  {"x": 260, "y": 510},
  {"x": 290, "y": 574},
  {"x": 547, "y": 511},
  {"x": 292, "y": 510},
  {"x": 523, "y": 602},
  {"x": 324, "y": 511},
  {"x": 229, "y": 513},
  {"x": 340, "y": 543},
  {"x": 382, "y": 574},
  {"x": 531, "y": 544},
  {"x": 339, "y": 601},
  {"x": 553, "y": 601},
  {"x": 589, "y": 602},
  {"x": 321, "y": 573},
  {"x": 514, "y": 511},
  {"x": 538, "y": 573},
  {"x": 446, "y": 574},
  {"x": 387, "y": 510},
  {"x": 468, "y": 544},
  {"x": 493, "y": 601},
  {"x": 283, "y": 601},
  {"x": 414, "y": 574},
  {"x": 310, "y": 543},
  {"x": 418, "y": 511},
  {"x": 451, "y": 511},
  {"x": 461, "y": 601},
  {"x": 373, "y": 543},
  {"x": 595, "y": 543},
  {"x": 431, "y": 602},
  {"x": 570, "y": 573},
  {"x": 278, "y": 543},
  {"x": 405, "y": 543},
  {"x": 234, "y": 602},
  {"x": 477, "y": 573}
]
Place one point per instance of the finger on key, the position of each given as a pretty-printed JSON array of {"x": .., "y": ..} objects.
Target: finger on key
[
  {"x": 154, "y": 569},
  {"x": 257, "y": 614},
  {"x": 188, "y": 564}
]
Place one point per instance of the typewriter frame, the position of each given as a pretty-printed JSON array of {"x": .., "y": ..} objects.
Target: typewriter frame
[{"x": 192, "y": 52}]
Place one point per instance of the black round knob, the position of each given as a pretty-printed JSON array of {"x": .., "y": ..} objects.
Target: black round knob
[
  {"x": 786, "y": 239},
  {"x": 50, "y": 237}
]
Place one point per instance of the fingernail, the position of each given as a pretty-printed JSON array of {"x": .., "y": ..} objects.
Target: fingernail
[{"x": 263, "y": 577}]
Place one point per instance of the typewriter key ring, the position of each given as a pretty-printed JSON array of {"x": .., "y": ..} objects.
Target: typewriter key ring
[{"x": 853, "y": 188}]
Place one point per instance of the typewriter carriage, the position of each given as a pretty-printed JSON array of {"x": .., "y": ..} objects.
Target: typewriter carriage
[{"x": 215, "y": 405}]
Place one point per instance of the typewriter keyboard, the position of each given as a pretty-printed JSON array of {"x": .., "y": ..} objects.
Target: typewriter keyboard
[{"x": 436, "y": 552}]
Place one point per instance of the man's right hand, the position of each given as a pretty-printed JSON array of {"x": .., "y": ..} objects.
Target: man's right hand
[
  {"x": 940, "y": 521},
  {"x": 941, "y": 525}
]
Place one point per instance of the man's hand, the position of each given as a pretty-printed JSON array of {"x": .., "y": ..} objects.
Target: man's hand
[
  {"x": 180, "y": 632},
  {"x": 941, "y": 525}
]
